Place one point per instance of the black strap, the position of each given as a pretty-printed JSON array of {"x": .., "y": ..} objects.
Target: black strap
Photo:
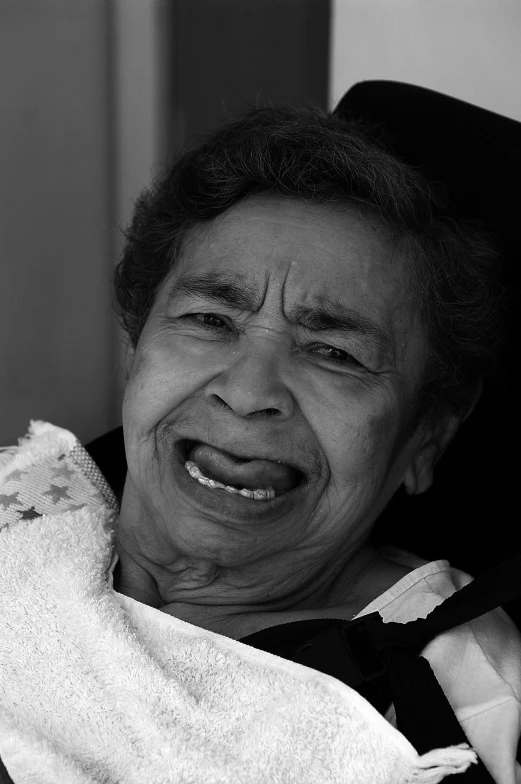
[
  {"x": 5, "y": 778},
  {"x": 423, "y": 713},
  {"x": 497, "y": 586}
]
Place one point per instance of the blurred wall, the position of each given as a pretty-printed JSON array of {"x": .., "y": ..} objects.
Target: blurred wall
[
  {"x": 470, "y": 49},
  {"x": 56, "y": 352},
  {"x": 79, "y": 137},
  {"x": 232, "y": 54},
  {"x": 141, "y": 73}
]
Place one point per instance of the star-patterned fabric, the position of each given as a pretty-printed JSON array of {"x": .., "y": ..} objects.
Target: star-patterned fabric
[{"x": 67, "y": 480}]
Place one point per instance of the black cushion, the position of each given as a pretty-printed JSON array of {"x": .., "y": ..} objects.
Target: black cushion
[{"x": 108, "y": 452}]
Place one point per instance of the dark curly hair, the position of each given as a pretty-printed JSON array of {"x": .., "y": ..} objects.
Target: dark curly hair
[{"x": 316, "y": 156}]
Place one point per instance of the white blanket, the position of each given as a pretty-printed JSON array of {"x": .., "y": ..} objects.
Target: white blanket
[{"x": 86, "y": 696}]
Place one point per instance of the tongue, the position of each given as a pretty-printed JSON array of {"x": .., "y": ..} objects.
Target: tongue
[{"x": 250, "y": 474}]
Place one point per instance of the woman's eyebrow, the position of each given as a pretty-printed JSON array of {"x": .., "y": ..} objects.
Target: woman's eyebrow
[
  {"x": 327, "y": 315},
  {"x": 334, "y": 317},
  {"x": 230, "y": 290}
]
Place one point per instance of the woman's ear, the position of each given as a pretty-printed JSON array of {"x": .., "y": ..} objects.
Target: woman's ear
[{"x": 420, "y": 472}]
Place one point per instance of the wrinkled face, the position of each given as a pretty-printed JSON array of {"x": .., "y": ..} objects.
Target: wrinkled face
[{"x": 286, "y": 333}]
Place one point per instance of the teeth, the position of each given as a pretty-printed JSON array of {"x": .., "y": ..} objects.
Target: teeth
[
  {"x": 193, "y": 469},
  {"x": 259, "y": 495}
]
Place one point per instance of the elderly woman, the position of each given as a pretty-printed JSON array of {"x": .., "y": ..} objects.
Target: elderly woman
[
  {"x": 294, "y": 316},
  {"x": 299, "y": 349}
]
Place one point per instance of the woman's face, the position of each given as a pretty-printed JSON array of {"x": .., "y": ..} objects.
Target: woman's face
[{"x": 224, "y": 360}]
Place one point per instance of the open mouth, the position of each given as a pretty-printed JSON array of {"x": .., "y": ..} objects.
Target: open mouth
[{"x": 258, "y": 479}]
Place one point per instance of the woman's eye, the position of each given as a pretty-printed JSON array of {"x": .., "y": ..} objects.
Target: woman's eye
[
  {"x": 208, "y": 320},
  {"x": 214, "y": 322},
  {"x": 338, "y": 355}
]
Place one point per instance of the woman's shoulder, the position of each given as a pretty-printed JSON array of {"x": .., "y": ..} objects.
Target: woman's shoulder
[
  {"x": 407, "y": 586},
  {"x": 489, "y": 644}
]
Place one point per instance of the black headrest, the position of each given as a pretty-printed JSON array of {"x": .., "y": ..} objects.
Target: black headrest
[{"x": 474, "y": 153}]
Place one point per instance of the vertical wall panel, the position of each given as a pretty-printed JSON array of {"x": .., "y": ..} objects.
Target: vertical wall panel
[
  {"x": 56, "y": 346},
  {"x": 142, "y": 74},
  {"x": 233, "y": 53}
]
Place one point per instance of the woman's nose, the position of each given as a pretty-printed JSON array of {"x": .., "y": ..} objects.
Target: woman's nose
[{"x": 252, "y": 384}]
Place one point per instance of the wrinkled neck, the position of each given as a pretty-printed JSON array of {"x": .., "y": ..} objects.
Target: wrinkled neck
[{"x": 366, "y": 576}]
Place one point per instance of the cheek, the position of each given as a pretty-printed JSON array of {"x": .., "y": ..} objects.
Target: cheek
[
  {"x": 362, "y": 446},
  {"x": 164, "y": 375},
  {"x": 149, "y": 391}
]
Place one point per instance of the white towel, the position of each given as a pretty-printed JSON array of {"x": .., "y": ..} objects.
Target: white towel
[{"x": 87, "y": 695}]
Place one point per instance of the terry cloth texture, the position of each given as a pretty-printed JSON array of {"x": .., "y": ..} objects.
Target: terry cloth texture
[{"x": 87, "y": 695}]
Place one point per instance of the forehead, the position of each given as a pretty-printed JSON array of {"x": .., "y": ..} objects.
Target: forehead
[{"x": 314, "y": 251}]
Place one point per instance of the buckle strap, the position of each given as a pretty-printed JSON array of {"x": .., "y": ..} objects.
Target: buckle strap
[
  {"x": 495, "y": 587},
  {"x": 424, "y": 714},
  {"x": 347, "y": 653}
]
